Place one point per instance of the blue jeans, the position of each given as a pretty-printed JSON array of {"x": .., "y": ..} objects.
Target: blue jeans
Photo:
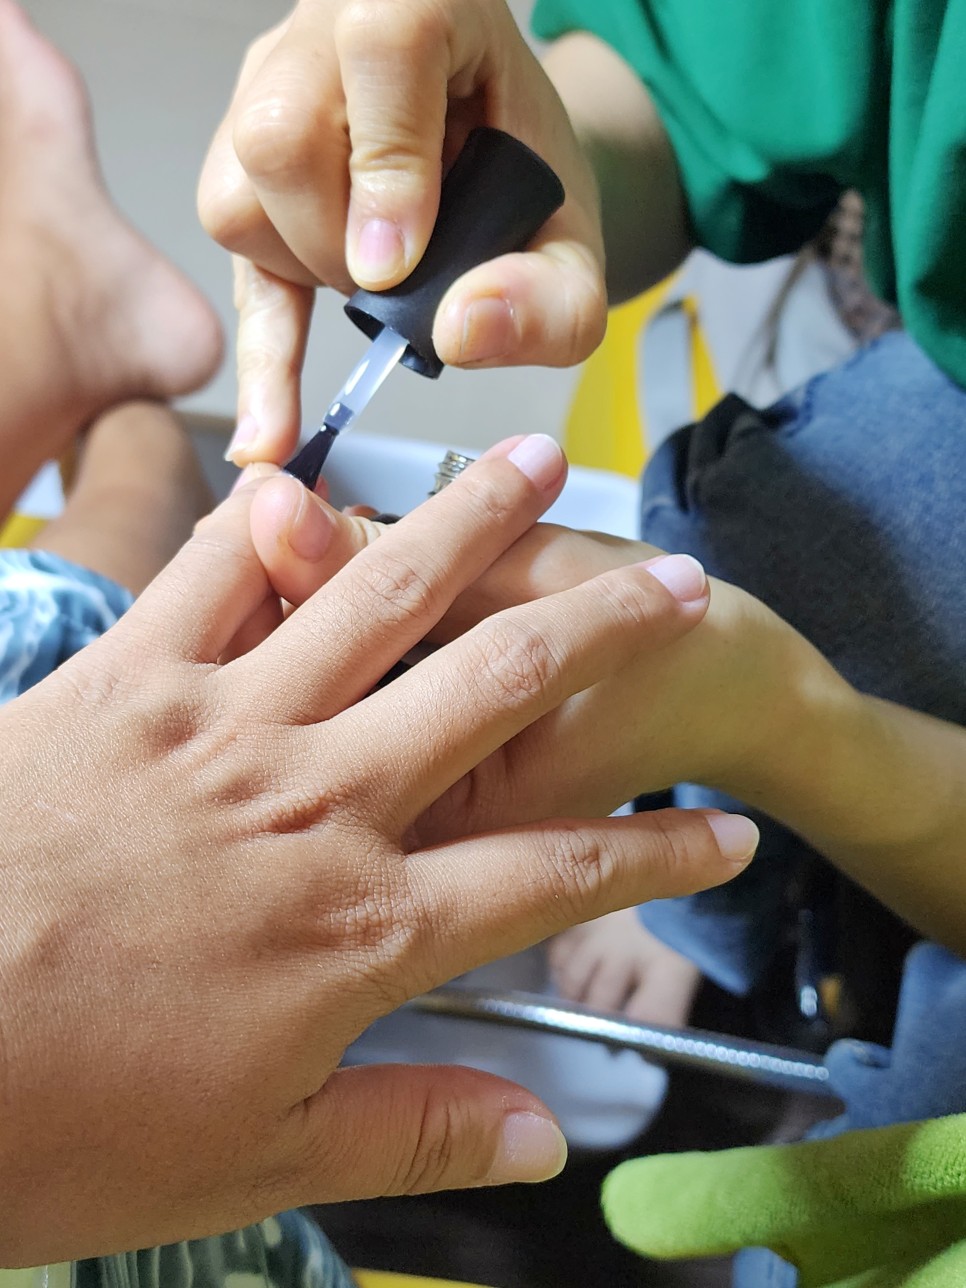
[{"x": 843, "y": 508}]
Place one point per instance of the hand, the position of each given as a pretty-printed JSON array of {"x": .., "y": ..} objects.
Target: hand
[
  {"x": 210, "y": 886},
  {"x": 712, "y": 709},
  {"x": 616, "y": 964},
  {"x": 327, "y": 170}
]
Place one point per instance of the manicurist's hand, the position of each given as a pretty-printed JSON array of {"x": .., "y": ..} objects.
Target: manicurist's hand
[
  {"x": 326, "y": 170},
  {"x": 211, "y": 885}
]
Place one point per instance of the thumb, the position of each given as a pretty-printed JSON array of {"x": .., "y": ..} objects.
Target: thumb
[
  {"x": 301, "y": 540},
  {"x": 415, "y": 1129}
]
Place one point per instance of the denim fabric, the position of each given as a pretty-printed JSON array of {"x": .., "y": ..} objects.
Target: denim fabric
[
  {"x": 843, "y": 508},
  {"x": 49, "y": 610}
]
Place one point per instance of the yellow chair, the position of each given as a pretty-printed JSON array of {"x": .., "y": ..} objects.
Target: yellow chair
[
  {"x": 607, "y": 427},
  {"x": 377, "y": 1279}
]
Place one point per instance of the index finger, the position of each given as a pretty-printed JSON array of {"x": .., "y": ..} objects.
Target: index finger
[{"x": 335, "y": 648}]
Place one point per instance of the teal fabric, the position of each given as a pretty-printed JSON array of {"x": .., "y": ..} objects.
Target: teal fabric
[{"x": 774, "y": 107}]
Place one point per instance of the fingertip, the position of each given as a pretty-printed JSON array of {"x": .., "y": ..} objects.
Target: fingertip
[
  {"x": 682, "y": 575},
  {"x": 286, "y": 514},
  {"x": 532, "y": 1148},
  {"x": 376, "y": 253},
  {"x": 737, "y": 837},
  {"x": 477, "y": 332}
]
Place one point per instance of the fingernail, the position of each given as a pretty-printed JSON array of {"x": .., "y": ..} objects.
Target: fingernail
[
  {"x": 736, "y": 835},
  {"x": 257, "y": 470},
  {"x": 540, "y": 458},
  {"x": 489, "y": 330},
  {"x": 309, "y": 531},
  {"x": 683, "y": 576},
  {"x": 380, "y": 251},
  {"x": 532, "y": 1149},
  {"x": 246, "y": 431}
]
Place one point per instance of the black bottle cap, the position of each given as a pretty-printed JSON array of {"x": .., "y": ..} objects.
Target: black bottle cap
[{"x": 494, "y": 200}]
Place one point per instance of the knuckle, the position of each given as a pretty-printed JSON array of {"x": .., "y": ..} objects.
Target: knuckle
[
  {"x": 627, "y": 598},
  {"x": 488, "y": 504},
  {"x": 588, "y": 320},
  {"x": 577, "y": 869},
  {"x": 439, "y": 1147},
  {"x": 516, "y": 660},
  {"x": 276, "y": 140},
  {"x": 672, "y": 853},
  {"x": 403, "y": 30},
  {"x": 396, "y": 590},
  {"x": 228, "y": 213}
]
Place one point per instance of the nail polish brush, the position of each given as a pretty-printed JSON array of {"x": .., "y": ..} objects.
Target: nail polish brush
[{"x": 494, "y": 200}]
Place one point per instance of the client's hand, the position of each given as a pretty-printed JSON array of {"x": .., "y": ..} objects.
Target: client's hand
[
  {"x": 711, "y": 708},
  {"x": 210, "y": 885}
]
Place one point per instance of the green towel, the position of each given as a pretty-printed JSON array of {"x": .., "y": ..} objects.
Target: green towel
[{"x": 868, "y": 1209}]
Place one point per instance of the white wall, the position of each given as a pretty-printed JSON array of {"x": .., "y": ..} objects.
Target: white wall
[{"x": 160, "y": 74}]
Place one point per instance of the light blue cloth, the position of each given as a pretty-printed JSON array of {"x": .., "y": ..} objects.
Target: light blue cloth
[{"x": 49, "y": 610}]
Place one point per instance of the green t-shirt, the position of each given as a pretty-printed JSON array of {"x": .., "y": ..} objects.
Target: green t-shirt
[{"x": 776, "y": 106}]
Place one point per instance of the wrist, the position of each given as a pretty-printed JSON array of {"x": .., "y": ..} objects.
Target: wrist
[{"x": 798, "y": 742}]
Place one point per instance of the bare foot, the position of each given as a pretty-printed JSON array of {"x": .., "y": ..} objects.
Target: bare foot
[
  {"x": 90, "y": 314},
  {"x": 139, "y": 492},
  {"x": 615, "y": 964}
]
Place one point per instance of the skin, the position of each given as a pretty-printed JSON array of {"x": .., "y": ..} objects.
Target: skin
[
  {"x": 92, "y": 316},
  {"x": 712, "y": 709},
  {"x": 347, "y": 113},
  {"x": 210, "y": 866},
  {"x": 216, "y": 873},
  {"x": 138, "y": 492}
]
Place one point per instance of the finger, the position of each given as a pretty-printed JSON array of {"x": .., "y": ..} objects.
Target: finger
[
  {"x": 396, "y": 62},
  {"x": 273, "y": 329},
  {"x": 573, "y": 974},
  {"x": 290, "y": 135},
  {"x": 483, "y": 689},
  {"x": 232, "y": 215},
  {"x": 610, "y": 984},
  {"x": 228, "y": 206},
  {"x": 209, "y": 591},
  {"x": 266, "y": 619},
  {"x": 548, "y": 306},
  {"x": 301, "y": 541},
  {"x": 334, "y": 648},
  {"x": 394, "y": 1129},
  {"x": 490, "y": 896}
]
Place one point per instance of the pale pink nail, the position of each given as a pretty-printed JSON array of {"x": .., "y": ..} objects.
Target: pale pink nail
[
  {"x": 736, "y": 835},
  {"x": 246, "y": 432},
  {"x": 683, "y": 576},
  {"x": 380, "y": 251},
  {"x": 532, "y": 1149},
  {"x": 540, "y": 458},
  {"x": 489, "y": 331}
]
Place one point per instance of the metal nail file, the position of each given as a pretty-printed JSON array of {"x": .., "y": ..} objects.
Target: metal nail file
[{"x": 494, "y": 200}]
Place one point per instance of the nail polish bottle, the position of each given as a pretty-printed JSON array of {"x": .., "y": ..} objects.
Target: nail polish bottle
[{"x": 450, "y": 467}]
